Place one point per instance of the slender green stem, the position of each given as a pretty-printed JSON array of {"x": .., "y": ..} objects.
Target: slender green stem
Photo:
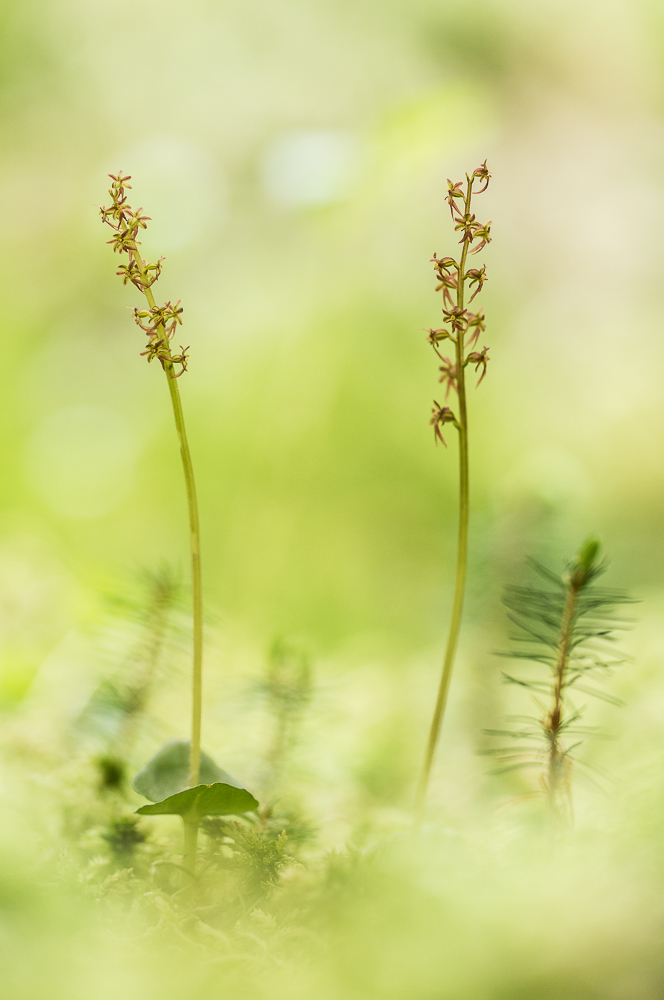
[
  {"x": 556, "y": 779},
  {"x": 190, "y": 844},
  {"x": 462, "y": 545},
  {"x": 195, "y": 548}
]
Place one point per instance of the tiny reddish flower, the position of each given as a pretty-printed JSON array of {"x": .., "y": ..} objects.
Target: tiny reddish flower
[
  {"x": 448, "y": 375},
  {"x": 482, "y": 173},
  {"x": 480, "y": 359},
  {"x": 441, "y": 415},
  {"x": 453, "y": 193}
]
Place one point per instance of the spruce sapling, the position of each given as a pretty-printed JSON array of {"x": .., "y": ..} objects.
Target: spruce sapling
[{"x": 568, "y": 627}]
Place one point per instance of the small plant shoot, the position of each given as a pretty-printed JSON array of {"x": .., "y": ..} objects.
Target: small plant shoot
[{"x": 568, "y": 627}]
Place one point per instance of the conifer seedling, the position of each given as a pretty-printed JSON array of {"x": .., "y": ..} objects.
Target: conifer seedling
[{"x": 567, "y": 625}]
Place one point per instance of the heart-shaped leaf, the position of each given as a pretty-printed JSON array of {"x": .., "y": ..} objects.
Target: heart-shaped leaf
[
  {"x": 168, "y": 772},
  {"x": 217, "y": 799}
]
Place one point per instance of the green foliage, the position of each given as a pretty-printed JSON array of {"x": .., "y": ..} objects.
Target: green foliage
[
  {"x": 140, "y": 632},
  {"x": 288, "y": 682},
  {"x": 256, "y": 850},
  {"x": 569, "y": 628},
  {"x": 287, "y": 688},
  {"x": 112, "y": 773},
  {"x": 538, "y": 613},
  {"x": 123, "y": 835},
  {"x": 168, "y": 771},
  {"x": 217, "y": 799}
]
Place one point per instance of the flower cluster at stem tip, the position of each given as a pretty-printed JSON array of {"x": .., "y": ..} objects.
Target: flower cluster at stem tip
[
  {"x": 158, "y": 322},
  {"x": 461, "y": 326}
]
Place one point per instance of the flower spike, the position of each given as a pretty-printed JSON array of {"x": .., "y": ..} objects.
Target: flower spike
[
  {"x": 159, "y": 323},
  {"x": 459, "y": 286}
]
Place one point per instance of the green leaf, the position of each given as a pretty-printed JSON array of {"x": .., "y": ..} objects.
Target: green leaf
[
  {"x": 168, "y": 772},
  {"x": 217, "y": 799}
]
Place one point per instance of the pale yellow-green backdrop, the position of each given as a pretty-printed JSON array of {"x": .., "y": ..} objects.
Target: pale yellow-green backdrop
[{"x": 293, "y": 156}]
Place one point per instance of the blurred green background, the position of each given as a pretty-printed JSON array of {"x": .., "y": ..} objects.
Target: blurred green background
[{"x": 293, "y": 157}]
